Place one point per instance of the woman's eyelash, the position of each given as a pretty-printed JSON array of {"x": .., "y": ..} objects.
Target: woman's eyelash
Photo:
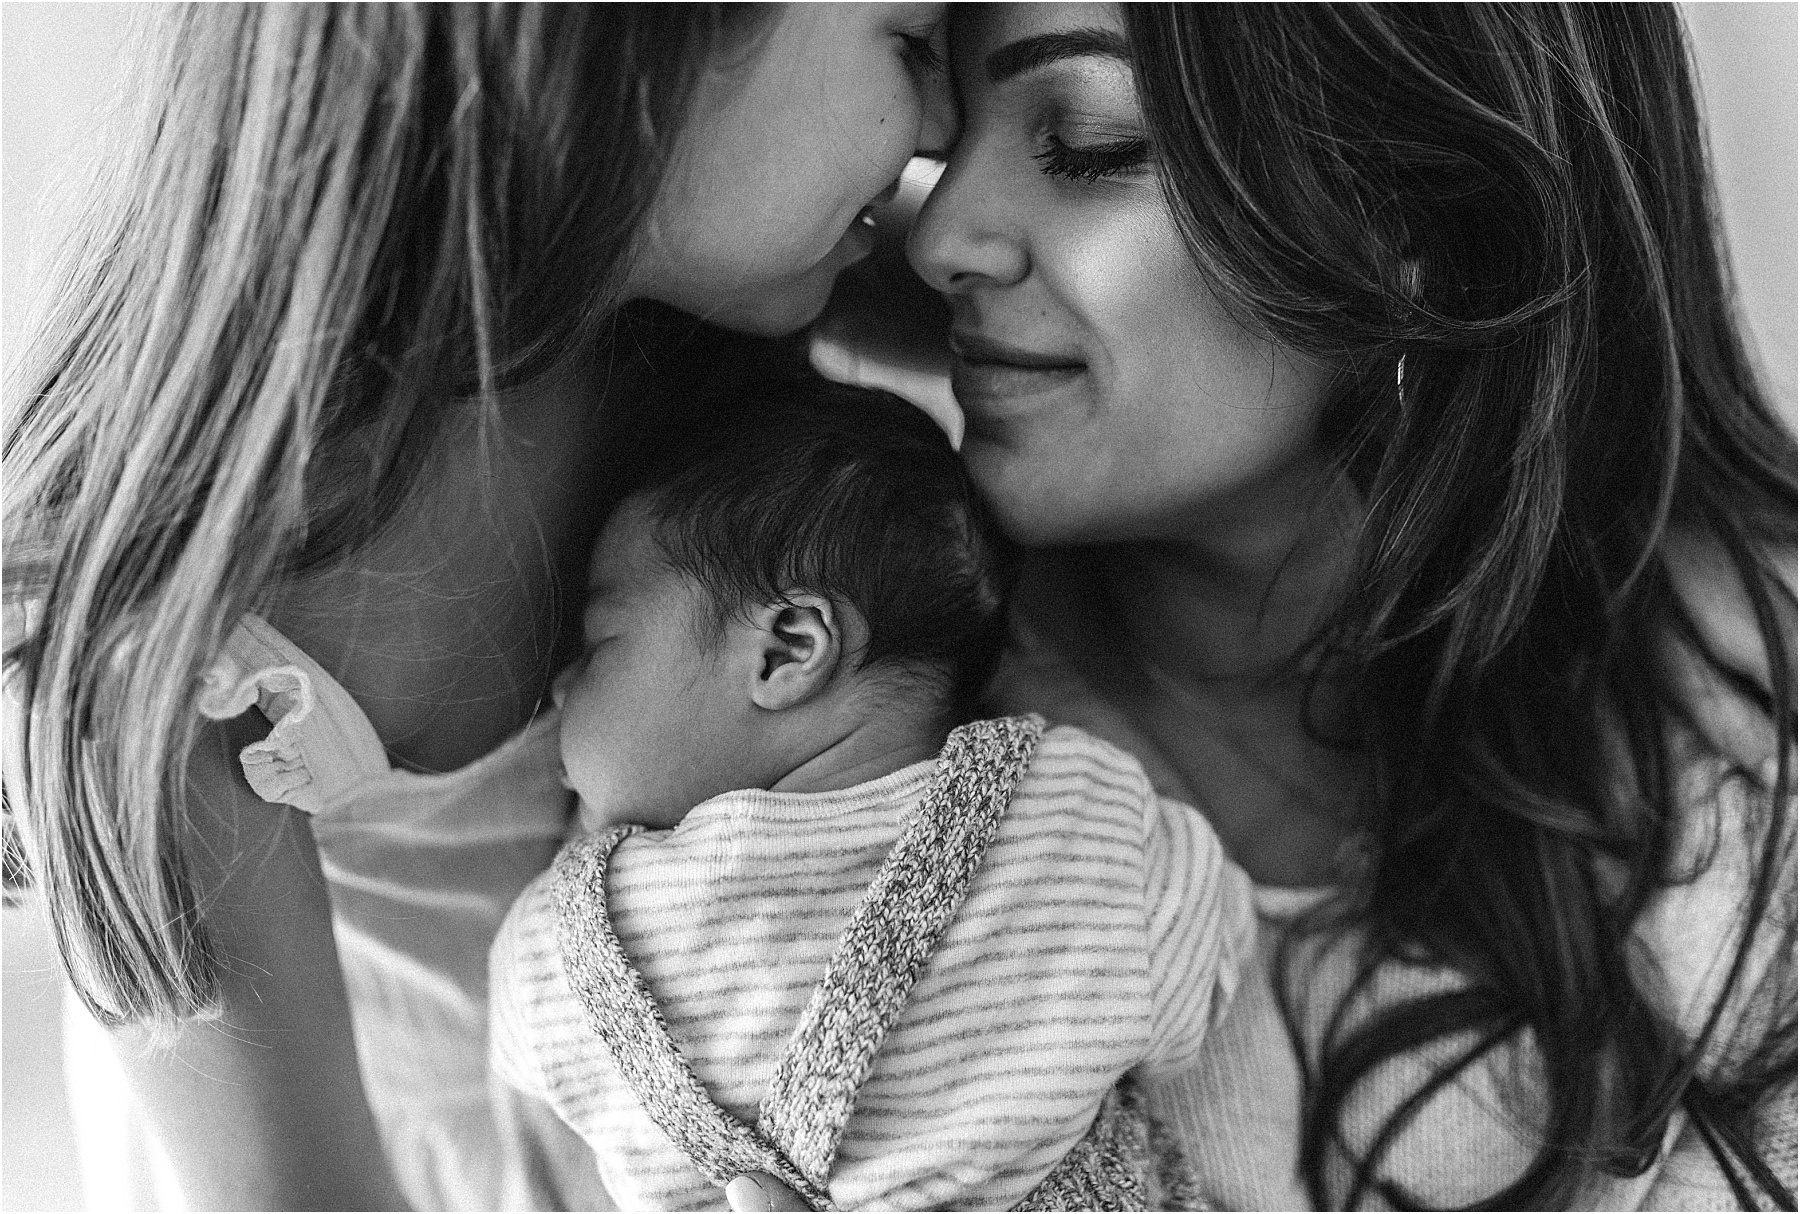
[
  {"x": 920, "y": 54},
  {"x": 1094, "y": 161}
]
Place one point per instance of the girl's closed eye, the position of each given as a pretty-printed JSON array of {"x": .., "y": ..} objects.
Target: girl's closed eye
[
  {"x": 593, "y": 645},
  {"x": 924, "y": 41},
  {"x": 920, "y": 52},
  {"x": 600, "y": 618}
]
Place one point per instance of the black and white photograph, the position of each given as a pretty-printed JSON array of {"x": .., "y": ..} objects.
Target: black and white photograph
[{"x": 815, "y": 606}]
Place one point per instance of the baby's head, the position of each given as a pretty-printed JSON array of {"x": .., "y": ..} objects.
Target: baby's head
[{"x": 795, "y": 559}]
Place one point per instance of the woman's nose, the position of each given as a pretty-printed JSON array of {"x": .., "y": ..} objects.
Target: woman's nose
[{"x": 963, "y": 238}]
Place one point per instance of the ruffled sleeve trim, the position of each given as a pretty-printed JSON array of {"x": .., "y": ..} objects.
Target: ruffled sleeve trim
[
  {"x": 275, "y": 767},
  {"x": 319, "y": 745}
]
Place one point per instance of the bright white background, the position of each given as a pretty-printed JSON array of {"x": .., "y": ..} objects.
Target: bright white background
[{"x": 60, "y": 65}]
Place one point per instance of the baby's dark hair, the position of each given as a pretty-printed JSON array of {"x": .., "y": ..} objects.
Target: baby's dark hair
[{"x": 765, "y": 479}]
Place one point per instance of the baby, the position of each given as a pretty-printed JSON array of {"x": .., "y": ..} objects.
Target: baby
[{"x": 815, "y": 929}]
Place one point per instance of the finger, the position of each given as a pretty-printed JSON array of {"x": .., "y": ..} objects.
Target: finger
[
  {"x": 926, "y": 387},
  {"x": 760, "y": 1191}
]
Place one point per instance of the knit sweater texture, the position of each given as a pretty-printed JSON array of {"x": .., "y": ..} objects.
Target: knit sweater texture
[{"x": 1103, "y": 932}]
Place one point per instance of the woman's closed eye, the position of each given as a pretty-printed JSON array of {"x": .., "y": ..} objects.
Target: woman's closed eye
[
  {"x": 1093, "y": 161},
  {"x": 1089, "y": 163}
]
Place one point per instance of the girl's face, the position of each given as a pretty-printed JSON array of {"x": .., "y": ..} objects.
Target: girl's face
[
  {"x": 1108, "y": 395},
  {"x": 783, "y": 152}
]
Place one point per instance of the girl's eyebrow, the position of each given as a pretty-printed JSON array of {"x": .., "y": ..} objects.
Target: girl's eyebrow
[{"x": 1028, "y": 54}]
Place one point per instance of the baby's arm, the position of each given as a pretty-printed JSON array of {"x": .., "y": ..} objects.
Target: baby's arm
[
  {"x": 1202, "y": 930},
  {"x": 263, "y": 1108},
  {"x": 548, "y": 1166}
]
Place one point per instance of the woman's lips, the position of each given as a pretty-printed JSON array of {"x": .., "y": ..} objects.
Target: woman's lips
[{"x": 987, "y": 373}]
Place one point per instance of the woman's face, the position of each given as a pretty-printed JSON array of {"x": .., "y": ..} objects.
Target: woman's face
[
  {"x": 782, "y": 152},
  {"x": 1108, "y": 396}
]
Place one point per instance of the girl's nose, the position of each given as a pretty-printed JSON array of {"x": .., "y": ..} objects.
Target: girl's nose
[
  {"x": 942, "y": 120},
  {"x": 963, "y": 239}
]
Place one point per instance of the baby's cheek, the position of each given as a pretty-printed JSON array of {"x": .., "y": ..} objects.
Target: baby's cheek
[
  {"x": 559, "y": 689},
  {"x": 587, "y": 818},
  {"x": 582, "y": 747}
]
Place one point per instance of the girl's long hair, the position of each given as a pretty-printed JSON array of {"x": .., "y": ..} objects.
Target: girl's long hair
[
  {"x": 329, "y": 220},
  {"x": 1515, "y": 200}
]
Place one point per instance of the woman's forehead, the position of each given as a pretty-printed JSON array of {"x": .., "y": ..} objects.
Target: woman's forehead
[{"x": 981, "y": 29}]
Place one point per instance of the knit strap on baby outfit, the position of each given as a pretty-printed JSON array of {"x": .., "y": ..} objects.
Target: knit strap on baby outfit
[
  {"x": 889, "y": 939},
  {"x": 624, "y": 1015},
  {"x": 891, "y": 935}
]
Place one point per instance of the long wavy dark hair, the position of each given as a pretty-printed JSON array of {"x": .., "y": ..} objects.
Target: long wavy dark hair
[
  {"x": 1514, "y": 200},
  {"x": 326, "y": 221}
]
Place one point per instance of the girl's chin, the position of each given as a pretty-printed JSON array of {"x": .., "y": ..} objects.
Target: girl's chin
[
  {"x": 857, "y": 242},
  {"x": 777, "y": 313},
  {"x": 778, "y": 309}
]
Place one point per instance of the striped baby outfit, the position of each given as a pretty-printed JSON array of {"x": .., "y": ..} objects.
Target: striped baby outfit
[{"x": 1102, "y": 932}]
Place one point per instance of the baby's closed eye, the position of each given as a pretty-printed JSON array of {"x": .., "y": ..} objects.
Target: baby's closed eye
[{"x": 559, "y": 688}]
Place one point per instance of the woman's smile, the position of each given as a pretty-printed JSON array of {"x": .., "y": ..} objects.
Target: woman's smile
[
  {"x": 1108, "y": 392},
  {"x": 995, "y": 379}
]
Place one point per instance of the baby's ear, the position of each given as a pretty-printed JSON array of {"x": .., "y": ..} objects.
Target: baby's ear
[{"x": 801, "y": 644}]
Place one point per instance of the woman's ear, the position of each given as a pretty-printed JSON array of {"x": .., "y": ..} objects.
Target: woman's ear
[{"x": 801, "y": 643}]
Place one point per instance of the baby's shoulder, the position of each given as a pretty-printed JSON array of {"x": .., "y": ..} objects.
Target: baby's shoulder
[
  {"x": 527, "y": 940},
  {"x": 1075, "y": 772}
]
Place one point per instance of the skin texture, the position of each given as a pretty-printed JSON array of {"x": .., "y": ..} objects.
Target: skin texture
[
  {"x": 1162, "y": 412},
  {"x": 1211, "y": 534},
  {"x": 814, "y": 127},
  {"x": 659, "y": 714},
  {"x": 1114, "y": 405},
  {"x": 444, "y": 631},
  {"x": 280, "y": 1053},
  {"x": 664, "y": 711},
  {"x": 760, "y": 1191}
]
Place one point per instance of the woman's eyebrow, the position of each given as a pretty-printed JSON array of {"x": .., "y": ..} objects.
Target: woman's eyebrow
[{"x": 1029, "y": 53}]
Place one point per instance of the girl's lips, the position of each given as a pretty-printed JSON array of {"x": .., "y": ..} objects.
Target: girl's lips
[{"x": 857, "y": 242}]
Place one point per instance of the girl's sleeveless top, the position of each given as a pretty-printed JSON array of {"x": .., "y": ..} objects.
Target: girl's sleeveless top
[{"x": 422, "y": 869}]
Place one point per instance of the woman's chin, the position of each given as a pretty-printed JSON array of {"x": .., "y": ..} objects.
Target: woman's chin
[{"x": 1029, "y": 512}]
